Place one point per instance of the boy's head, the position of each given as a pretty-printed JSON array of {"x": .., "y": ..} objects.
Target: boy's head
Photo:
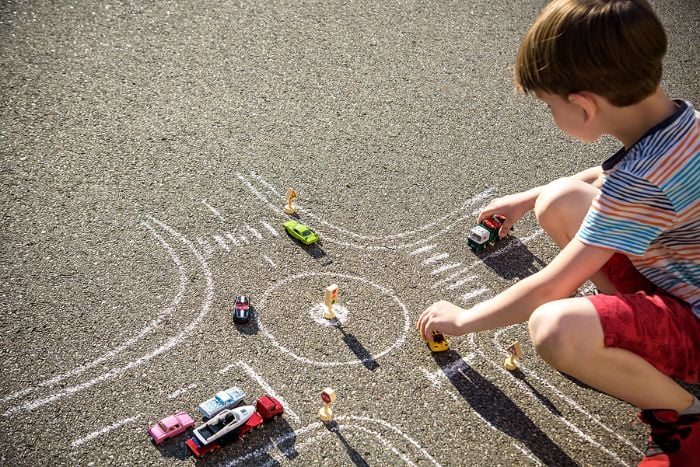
[{"x": 613, "y": 48}]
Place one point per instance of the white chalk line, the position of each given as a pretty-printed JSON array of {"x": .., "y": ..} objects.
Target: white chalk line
[
  {"x": 148, "y": 329},
  {"x": 270, "y": 228},
  {"x": 181, "y": 391},
  {"x": 253, "y": 231},
  {"x": 272, "y": 263},
  {"x": 481, "y": 196},
  {"x": 298, "y": 446},
  {"x": 422, "y": 249},
  {"x": 212, "y": 209},
  {"x": 436, "y": 258},
  {"x": 474, "y": 293},
  {"x": 398, "y": 343},
  {"x": 460, "y": 282},
  {"x": 444, "y": 267},
  {"x": 221, "y": 242},
  {"x": 181, "y": 336},
  {"x": 103, "y": 431},
  {"x": 470, "y": 268},
  {"x": 264, "y": 385},
  {"x": 562, "y": 396},
  {"x": 348, "y": 233}
]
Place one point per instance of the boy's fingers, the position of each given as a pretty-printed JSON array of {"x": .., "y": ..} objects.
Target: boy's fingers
[{"x": 503, "y": 231}]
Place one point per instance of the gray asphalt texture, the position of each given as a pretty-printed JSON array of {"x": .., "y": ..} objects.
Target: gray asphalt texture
[{"x": 146, "y": 148}]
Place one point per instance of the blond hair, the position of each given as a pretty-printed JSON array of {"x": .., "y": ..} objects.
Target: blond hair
[{"x": 613, "y": 48}]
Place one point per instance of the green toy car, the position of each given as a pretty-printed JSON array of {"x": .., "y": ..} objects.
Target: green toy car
[{"x": 304, "y": 234}]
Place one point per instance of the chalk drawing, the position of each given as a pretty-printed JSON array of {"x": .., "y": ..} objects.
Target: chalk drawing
[
  {"x": 317, "y": 311},
  {"x": 436, "y": 258},
  {"x": 346, "y": 423},
  {"x": 169, "y": 344},
  {"x": 474, "y": 293},
  {"x": 253, "y": 231},
  {"x": 182, "y": 273},
  {"x": 272, "y": 263},
  {"x": 422, "y": 249},
  {"x": 222, "y": 243},
  {"x": 212, "y": 209},
  {"x": 103, "y": 431},
  {"x": 384, "y": 291},
  {"x": 444, "y": 267},
  {"x": 233, "y": 239},
  {"x": 460, "y": 282},
  {"x": 277, "y": 197},
  {"x": 270, "y": 228},
  {"x": 181, "y": 391}
]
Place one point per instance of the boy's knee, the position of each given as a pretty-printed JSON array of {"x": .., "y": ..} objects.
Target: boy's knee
[
  {"x": 555, "y": 335},
  {"x": 556, "y": 196}
]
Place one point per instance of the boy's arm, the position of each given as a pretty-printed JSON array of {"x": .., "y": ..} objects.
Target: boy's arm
[
  {"x": 516, "y": 205},
  {"x": 560, "y": 279}
]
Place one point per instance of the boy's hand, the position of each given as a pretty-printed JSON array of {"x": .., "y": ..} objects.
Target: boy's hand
[
  {"x": 513, "y": 207},
  {"x": 443, "y": 317}
]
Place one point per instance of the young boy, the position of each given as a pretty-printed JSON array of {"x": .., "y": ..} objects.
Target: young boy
[{"x": 632, "y": 226}]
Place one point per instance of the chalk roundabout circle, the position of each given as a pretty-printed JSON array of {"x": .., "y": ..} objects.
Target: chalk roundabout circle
[{"x": 316, "y": 311}]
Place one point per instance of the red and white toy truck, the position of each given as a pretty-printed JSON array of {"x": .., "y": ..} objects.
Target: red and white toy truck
[{"x": 233, "y": 424}]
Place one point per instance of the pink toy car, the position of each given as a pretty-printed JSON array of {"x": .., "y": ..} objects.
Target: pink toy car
[{"x": 170, "y": 427}]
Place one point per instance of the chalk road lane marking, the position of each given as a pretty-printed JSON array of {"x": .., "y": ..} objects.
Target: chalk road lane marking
[
  {"x": 102, "y": 431},
  {"x": 128, "y": 343},
  {"x": 170, "y": 343},
  {"x": 348, "y": 423}
]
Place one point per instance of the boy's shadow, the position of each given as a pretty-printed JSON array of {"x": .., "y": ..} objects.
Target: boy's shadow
[
  {"x": 500, "y": 411},
  {"x": 511, "y": 259}
]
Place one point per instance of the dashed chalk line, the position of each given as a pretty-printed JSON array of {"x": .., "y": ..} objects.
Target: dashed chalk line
[{"x": 103, "y": 431}]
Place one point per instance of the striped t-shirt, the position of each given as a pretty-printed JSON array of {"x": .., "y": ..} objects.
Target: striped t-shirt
[{"x": 649, "y": 205}]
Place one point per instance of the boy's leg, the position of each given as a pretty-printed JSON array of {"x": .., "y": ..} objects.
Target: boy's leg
[
  {"x": 560, "y": 210},
  {"x": 568, "y": 335}
]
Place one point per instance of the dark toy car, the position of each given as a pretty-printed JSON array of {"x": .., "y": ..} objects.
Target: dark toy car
[{"x": 241, "y": 309}]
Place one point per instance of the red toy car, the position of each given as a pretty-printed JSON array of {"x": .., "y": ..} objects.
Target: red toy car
[{"x": 170, "y": 427}]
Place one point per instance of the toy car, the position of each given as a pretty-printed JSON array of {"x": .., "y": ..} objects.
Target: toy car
[
  {"x": 438, "y": 343},
  {"x": 221, "y": 400},
  {"x": 170, "y": 427},
  {"x": 241, "y": 309},
  {"x": 224, "y": 426},
  {"x": 301, "y": 232},
  {"x": 233, "y": 424},
  {"x": 486, "y": 233}
]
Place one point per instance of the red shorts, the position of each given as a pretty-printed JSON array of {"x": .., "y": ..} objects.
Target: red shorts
[{"x": 646, "y": 320}]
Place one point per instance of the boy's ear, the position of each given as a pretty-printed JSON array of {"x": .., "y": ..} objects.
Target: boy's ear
[{"x": 587, "y": 102}]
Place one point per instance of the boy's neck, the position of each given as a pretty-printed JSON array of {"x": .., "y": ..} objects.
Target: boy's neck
[{"x": 630, "y": 123}]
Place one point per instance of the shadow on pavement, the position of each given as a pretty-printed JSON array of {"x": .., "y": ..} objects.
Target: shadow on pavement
[
  {"x": 502, "y": 413},
  {"x": 355, "y": 456},
  {"x": 511, "y": 259},
  {"x": 276, "y": 435},
  {"x": 359, "y": 350}
]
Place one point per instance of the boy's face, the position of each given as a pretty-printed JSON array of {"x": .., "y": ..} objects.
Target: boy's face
[{"x": 570, "y": 117}]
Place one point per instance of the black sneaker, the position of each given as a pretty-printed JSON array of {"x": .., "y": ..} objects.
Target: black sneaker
[{"x": 674, "y": 439}]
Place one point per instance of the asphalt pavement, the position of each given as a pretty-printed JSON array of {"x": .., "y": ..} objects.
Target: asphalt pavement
[{"x": 146, "y": 150}]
